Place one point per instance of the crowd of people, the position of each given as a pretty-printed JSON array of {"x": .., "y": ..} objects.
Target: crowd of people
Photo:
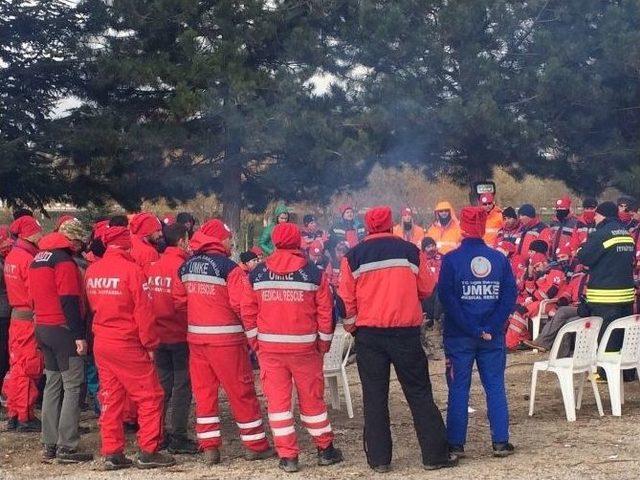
[{"x": 148, "y": 313}]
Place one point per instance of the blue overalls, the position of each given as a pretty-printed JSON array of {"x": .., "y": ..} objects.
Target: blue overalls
[{"x": 478, "y": 293}]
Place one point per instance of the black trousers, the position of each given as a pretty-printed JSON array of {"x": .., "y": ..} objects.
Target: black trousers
[
  {"x": 4, "y": 349},
  {"x": 609, "y": 313},
  {"x": 378, "y": 349},
  {"x": 172, "y": 365}
]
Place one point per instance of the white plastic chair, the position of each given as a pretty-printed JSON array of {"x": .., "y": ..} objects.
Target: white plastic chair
[
  {"x": 335, "y": 371},
  {"x": 614, "y": 363},
  {"x": 582, "y": 362},
  {"x": 536, "y": 320}
]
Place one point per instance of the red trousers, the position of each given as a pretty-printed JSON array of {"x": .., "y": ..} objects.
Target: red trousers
[
  {"x": 228, "y": 366},
  {"x": 126, "y": 371},
  {"x": 277, "y": 370},
  {"x": 25, "y": 369}
]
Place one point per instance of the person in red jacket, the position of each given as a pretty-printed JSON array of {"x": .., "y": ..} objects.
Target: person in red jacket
[
  {"x": 383, "y": 280},
  {"x": 286, "y": 313},
  {"x": 586, "y": 223},
  {"x": 562, "y": 229},
  {"x": 531, "y": 228},
  {"x": 5, "y": 311},
  {"x": 172, "y": 355},
  {"x": 56, "y": 288},
  {"x": 25, "y": 361},
  {"x": 218, "y": 347},
  {"x": 542, "y": 281},
  {"x": 125, "y": 337},
  {"x": 146, "y": 232}
]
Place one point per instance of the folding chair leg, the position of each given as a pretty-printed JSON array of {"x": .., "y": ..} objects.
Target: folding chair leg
[
  {"x": 334, "y": 392},
  {"x": 581, "y": 389},
  {"x": 347, "y": 393},
  {"x": 613, "y": 382},
  {"x": 532, "y": 395},
  {"x": 568, "y": 397},
  {"x": 596, "y": 393},
  {"x": 621, "y": 387}
]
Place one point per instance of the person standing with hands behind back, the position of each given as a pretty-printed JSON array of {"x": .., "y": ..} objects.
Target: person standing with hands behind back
[{"x": 478, "y": 293}]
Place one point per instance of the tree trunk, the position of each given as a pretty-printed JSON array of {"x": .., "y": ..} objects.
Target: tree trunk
[{"x": 231, "y": 194}]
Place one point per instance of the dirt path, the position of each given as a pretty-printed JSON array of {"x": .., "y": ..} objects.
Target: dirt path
[{"x": 548, "y": 446}]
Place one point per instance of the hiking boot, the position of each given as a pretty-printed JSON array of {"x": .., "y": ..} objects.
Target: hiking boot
[
  {"x": 386, "y": 468},
  {"x": 30, "y": 426},
  {"x": 71, "y": 455},
  {"x": 329, "y": 456},
  {"x": 457, "y": 450},
  {"x": 251, "y": 455},
  {"x": 503, "y": 449},
  {"x": 117, "y": 461},
  {"x": 48, "y": 453},
  {"x": 12, "y": 424},
  {"x": 212, "y": 456},
  {"x": 534, "y": 345},
  {"x": 452, "y": 461},
  {"x": 181, "y": 444},
  {"x": 154, "y": 460},
  {"x": 289, "y": 465}
]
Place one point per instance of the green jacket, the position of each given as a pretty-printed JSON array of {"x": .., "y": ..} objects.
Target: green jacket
[{"x": 265, "y": 243}]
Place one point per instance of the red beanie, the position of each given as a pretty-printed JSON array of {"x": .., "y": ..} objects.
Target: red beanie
[
  {"x": 61, "y": 220},
  {"x": 344, "y": 208},
  {"x": 144, "y": 224},
  {"x": 25, "y": 227},
  {"x": 118, "y": 237},
  {"x": 286, "y": 236},
  {"x": 379, "y": 219},
  {"x": 257, "y": 250},
  {"x": 472, "y": 221},
  {"x": 169, "y": 219},
  {"x": 216, "y": 229},
  {"x": 563, "y": 203},
  {"x": 99, "y": 228}
]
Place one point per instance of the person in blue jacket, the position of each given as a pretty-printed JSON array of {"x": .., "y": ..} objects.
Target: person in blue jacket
[{"x": 478, "y": 293}]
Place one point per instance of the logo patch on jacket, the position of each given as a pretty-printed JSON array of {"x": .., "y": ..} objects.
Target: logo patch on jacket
[{"x": 480, "y": 267}]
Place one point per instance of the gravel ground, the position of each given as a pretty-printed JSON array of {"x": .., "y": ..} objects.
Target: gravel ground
[{"x": 547, "y": 446}]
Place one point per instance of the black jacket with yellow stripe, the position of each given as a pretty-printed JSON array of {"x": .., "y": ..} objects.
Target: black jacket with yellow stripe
[{"x": 609, "y": 254}]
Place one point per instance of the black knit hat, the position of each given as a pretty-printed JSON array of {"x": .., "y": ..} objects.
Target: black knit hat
[
  {"x": 426, "y": 241},
  {"x": 246, "y": 257},
  {"x": 527, "y": 210},
  {"x": 509, "y": 212},
  {"x": 589, "y": 202},
  {"x": 307, "y": 219},
  {"x": 607, "y": 209},
  {"x": 539, "y": 246}
]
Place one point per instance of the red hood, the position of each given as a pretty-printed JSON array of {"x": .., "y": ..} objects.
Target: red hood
[
  {"x": 54, "y": 240},
  {"x": 286, "y": 261},
  {"x": 206, "y": 244}
]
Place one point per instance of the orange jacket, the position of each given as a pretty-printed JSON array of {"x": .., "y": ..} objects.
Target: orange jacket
[
  {"x": 415, "y": 235},
  {"x": 493, "y": 226},
  {"x": 382, "y": 281},
  {"x": 449, "y": 237}
]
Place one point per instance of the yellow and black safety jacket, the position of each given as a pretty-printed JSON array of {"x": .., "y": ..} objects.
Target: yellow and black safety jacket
[{"x": 609, "y": 254}]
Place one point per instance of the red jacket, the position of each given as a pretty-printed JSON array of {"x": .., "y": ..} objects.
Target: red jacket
[
  {"x": 16, "y": 274},
  {"x": 214, "y": 285},
  {"x": 434, "y": 264},
  {"x": 573, "y": 292},
  {"x": 559, "y": 233},
  {"x": 120, "y": 300},
  {"x": 169, "y": 296},
  {"x": 288, "y": 306},
  {"x": 382, "y": 282},
  {"x": 56, "y": 286},
  {"x": 546, "y": 286},
  {"x": 142, "y": 252}
]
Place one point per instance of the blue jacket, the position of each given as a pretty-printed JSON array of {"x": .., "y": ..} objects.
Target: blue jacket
[{"x": 477, "y": 290}]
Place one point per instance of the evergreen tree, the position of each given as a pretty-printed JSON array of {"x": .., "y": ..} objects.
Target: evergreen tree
[
  {"x": 211, "y": 96},
  {"x": 37, "y": 41}
]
